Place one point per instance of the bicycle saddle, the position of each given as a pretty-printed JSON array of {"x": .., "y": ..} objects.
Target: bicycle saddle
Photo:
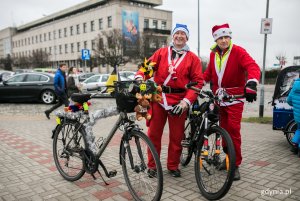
[{"x": 80, "y": 98}]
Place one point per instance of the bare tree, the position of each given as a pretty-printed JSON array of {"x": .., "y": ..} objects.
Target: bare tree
[
  {"x": 282, "y": 59},
  {"x": 7, "y": 62},
  {"x": 109, "y": 48},
  {"x": 39, "y": 59}
]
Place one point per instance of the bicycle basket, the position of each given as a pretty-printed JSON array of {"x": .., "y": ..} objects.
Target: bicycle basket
[{"x": 125, "y": 100}]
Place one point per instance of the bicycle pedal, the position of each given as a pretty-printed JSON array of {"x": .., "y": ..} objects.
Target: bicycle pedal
[{"x": 112, "y": 173}]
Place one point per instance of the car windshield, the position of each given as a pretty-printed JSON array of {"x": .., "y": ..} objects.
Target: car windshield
[{"x": 94, "y": 78}]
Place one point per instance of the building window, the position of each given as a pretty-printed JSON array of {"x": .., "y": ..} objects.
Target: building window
[
  {"x": 92, "y": 25},
  {"x": 45, "y": 36},
  {"x": 36, "y": 39},
  {"x": 155, "y": 24},
  {"x": 78, "y": 46},
  {"x": 65, "y": 32},
  {"x": 32, "y": 40},
  {"x": 109, "y": 22},
  {"x": 49, "y": 35},
  {"x": 54, "y": 34},
  {"x": 66, "y": 48},
  {"x": 40, "y": 37},
  {"x": 163, "y": 25},
  {"x": 72, "y": 47},
  {"x": 55, "y": 50},
  {"x": 28, "y": 41},
  {"x": 146, "y": 23},
  {"x": 85, "y": 45},
  {"x": 100, "y": 24},
  {"x": 60, "y": 49},
  {"x": 25, "y": 41},
  {"x": 84, "y": 27},
  {"x": 71, "y": 30},
  {"x": 59, "y": 33},
  {"x": 93, "y": 44},
  {"x": 50, "y": 50},
  {"x": 77, "y": 29}
]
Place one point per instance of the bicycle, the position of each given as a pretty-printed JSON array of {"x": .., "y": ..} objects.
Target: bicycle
[
  {"x": 214, "y": 169},
  {"x": 76, "y": 151}
]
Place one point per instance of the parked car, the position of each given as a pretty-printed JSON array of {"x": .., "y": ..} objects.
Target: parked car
[
  {"x": 94, "y": 81},
  {"x": 25, "y": 87},
  {"x": 84, "y": 76},
  {"x": 45, "y": 70},
  {"x": 17, "y": 71},
  {"x": 127, "y": 74},
  {"x": 97, "y": 82},
  {"x": 4, "y": 75}
]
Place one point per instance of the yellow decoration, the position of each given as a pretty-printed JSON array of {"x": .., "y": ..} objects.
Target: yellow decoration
[
  {"x": 57, "y": 120},
  {"x": 143, "y": 87},
  {"x": 147, "y": 67},
  {"x": 85, "y": 106}
]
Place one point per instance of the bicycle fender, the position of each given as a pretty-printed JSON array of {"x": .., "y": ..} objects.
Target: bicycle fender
[{"x": 54, "y": 131}]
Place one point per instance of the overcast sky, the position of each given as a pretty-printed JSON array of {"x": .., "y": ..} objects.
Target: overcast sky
[{"x": 243, "y": 16}]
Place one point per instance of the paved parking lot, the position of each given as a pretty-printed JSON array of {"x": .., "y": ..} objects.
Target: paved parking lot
[{"x": 27, "y": 172}]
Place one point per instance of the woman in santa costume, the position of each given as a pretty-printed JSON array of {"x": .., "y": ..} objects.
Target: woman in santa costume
[
  {"x": 175, "y": 67},
  {"x": 232, "y": 69}
]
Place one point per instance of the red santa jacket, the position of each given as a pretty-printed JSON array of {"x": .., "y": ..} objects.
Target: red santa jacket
[
  {"x": 239, "y": 69},
  {"x": 188, "y": 69}
]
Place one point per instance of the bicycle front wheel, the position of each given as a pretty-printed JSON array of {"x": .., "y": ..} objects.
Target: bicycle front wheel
[
  {"x": 214, "y": 169},
  {"x": 67, "y": 146},
  {"x": 291, "y": 132},
  {"x": 143, "y": 183}
]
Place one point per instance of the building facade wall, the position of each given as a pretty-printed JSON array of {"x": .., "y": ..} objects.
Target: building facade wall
[{"x": 55, "y": 36}]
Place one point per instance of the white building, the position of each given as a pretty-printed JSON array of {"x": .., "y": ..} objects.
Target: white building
[{"x": 64, "y": 34}]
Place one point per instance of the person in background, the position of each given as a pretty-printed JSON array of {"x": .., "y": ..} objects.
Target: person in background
[
  {"x": 232, "y": 69},
  {"x": 73, "y": 82},
  {"x": 175, "y": 66},
  {"x": 60, "y": 89},
  {"x": 293, "y": 99}
]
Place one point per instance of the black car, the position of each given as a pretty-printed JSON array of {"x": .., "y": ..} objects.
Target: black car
[
  {"x": 4, "y": 75},
  {"x": 28, "y": 87}
]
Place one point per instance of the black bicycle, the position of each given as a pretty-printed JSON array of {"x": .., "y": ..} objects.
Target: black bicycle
[
  {"x": 211, "y": 144},
  {"x": 76, "y": 151}
]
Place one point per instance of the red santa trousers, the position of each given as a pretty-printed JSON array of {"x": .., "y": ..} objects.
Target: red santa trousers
[
  {"x": 230, "y": 120},
  {"x": 176, "y": 133}
]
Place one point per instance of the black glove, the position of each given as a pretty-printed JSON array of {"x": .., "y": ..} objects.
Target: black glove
[
  {"x": 179, "y": 108},
  {"x": 250, "y": 91}
]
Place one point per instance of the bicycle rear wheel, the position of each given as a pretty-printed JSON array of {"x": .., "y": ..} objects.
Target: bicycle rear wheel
[
  {"x": 187, "y": 143},
  {"x": 213, "y": 181},
  {"x": 67, "y": 146},
  {"x": 142, "y": 184}
]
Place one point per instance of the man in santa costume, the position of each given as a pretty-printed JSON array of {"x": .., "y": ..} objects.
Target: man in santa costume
[
  {"x": 231, "y": 69},
  {"x": 175, "y": 67}
]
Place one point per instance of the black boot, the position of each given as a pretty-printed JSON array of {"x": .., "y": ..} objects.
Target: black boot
[
  {"x": 47, "y": 113},
  {"x": 237, "y": 175},
  {"x": 152, "y": 173},
  {"x": 294, "y": 149},
  {"x": 175, "y": 173}
]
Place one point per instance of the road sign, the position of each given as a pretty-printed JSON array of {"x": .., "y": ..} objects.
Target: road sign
[
  {"x": 85, "y": 54},
  {"x": 266, "y": 25}
]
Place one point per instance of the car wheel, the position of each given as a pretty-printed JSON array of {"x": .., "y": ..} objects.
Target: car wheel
[{"x": 48, "y": 96}]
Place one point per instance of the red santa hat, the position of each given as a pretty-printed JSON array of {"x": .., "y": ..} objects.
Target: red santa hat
[{"x": 221, "y": 30}]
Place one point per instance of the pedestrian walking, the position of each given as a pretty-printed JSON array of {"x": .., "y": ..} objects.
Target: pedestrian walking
[
  {"x": 60, "y": 89},
  {"x": 72, "y": 82},
  {"x": 175, "y": 67},
  {"x": 232, "y": 69},
  {"x": 293, "y": 99}
]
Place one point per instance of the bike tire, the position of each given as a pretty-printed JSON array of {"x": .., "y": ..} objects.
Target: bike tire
[
  {"x": 291, "y": 129},
  {"x": 65, "y": 155},
  {"x": 201, "y": 167},
  {"x": 188, "y": 147},
  {"x": 138, "y": 180}
]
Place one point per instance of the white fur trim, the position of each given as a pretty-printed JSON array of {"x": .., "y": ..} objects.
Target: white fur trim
[
  {"x": 222, "y": 32},
  {"x": 254, "y": 80},
  {"x": 187, "y": 101},
  {"x": 137, "y": 77},
  {"x": 181, "y": 29},
  {"x": 224, "y": 104}
]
